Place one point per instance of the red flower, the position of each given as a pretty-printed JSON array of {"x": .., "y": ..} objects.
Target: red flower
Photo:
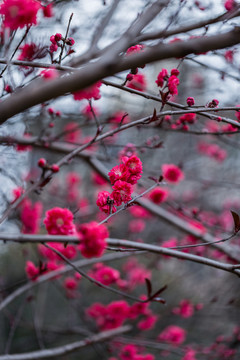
[
  {"x": 48, "y": 11},
  {"x": 92, "y": 92},
  {"x": 105, "y": 202},
  {"x": 110, "y": 316},
  {"x": 172, "y": 173},
  {"x": 162, "y": 76},
  {"x": 138, "y": 82},
  {"x": 122, "y": 192},
  {"x": 173, "y": 82},
  {"x": 59, "y": 221},
  {"x": 18, "y": 13},
  {"x": 185, "y": 309},
  {"x": 173, "y": 334},
  {"x": 134, "y": 166},
  {"x": 30, "y": 216},
  {"x": 148, "y": 322},
  {"x": 118, "y": 172},
  {"x": 158, "y": 195},
  {"x": 92, "y": 239},
  {"x": 32, "y": 271},
  {"x": 28, "y": 52},
  {"x": 105, "y": 274}
]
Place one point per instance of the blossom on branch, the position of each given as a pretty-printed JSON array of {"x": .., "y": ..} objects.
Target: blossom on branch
[
  {"x": 92, "y": 239},
  {"x": 59, "y": 221},
  {"x": 91, "y": 92},
  {"x": 18, "y": 13},
  {"x": 172, "y": 173}
]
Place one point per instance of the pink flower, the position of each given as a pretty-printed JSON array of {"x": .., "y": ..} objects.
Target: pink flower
[
  {"x": 173, "y": 82},
  {"x": 18, "y": 13},
  {"x": 92, "y": 239},
  {"x": 122, "y": 192},
  {"x": 189, "y": 118},
  {"x": 105, "y": 202},
  {"x": 229, "y": 56},
  {"x": 134, "y": 166},
  {"x": 173, "y": 335},
  {"x": 49, "y": 74},
  {"x": 190, "y": 101},
  {"x": 229, "y": 4},
  {"x": 139, "y": 212},
  {"x": 175, "y": 72},
  {"x": 110, "y": 316},
  {"x": 134, "y": 49},
  {"x": 70, "y": 283},
  {"x": 162, "y": 76},
  {"x": 92, "y": 92},
  {"x": 59, "y": 221},
  {"x": 72, "y": 133},
  {"x": 105, "y": 274},
  {"x": 28, "y": 52},
  {"x": 119, "y": 117},
  {"x": 148, "y": 322},
  {"x": 128, "y": 352},
  {"x": 17, "y": 192},
  {"x": 136, "y": 226},
  {"x": 48, "y": 11},
  {"x": 189, "y": 355},
  {"x": 158, "y": 195},
  {"x": 172, "y": 173},
  {"x": 185, "y": 309},
  {"x": 98, "y": 179},
  {"x": 32, "y": 271},
  {"x": 30, "y": 216},
  {"x": 138, "y": 82},
  {"x": 118, "y": 172}
]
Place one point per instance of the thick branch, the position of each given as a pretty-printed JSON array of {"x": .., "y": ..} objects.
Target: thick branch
[
  {"x": 62, "y": 271},
  {"x": 41, "y": 91},
  {"x": 171, "y": 218},
  {"x": 125, "y": 243},
  {"x": 66, "y": 349}
]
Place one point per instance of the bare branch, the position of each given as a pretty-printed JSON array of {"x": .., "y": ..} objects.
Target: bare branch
[
  {"x": 66, "y": 349},
  {"x": 41, "y": 91}
]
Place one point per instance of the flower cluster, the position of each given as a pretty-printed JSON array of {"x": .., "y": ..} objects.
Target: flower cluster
[
  {"x": 122, "y": 178},
  {"x": 171, "y": 81},
  {"x": 92, "y": 92},
  {"x": 174, "y": 335},
  {"x": 109, "y": 316},
  {"x": 30, "y": 52},
  {"x": 172, "y": 173},
  {"x": 92, "y": 239},
  {"x": 136, "y": 82},
  {"x": 19, "y": 13},
  {"x": 158, "y": 195},
  {"x": 212, "y": 150},
  {"x": 55, "y": 40},
  {"x": 30, "y": 216},
  {"x": 59, "y": 221},
  {"x": 104, "y": 274},
  {"x": 132, "y": 352}
]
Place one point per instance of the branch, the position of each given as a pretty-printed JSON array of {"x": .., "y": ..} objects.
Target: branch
[
  {"x": 62, "y": 271},
  {"x": 66, "y": 349},
  {"x": 171, "y": 218},
  {"x": 40, "y": 91},
  {"x": 123, "y": 243},
  {"x": 185, "y": 28}
]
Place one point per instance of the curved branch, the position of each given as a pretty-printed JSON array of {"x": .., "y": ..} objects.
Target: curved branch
[
  {"x": 66, "y": 349},
  {"x": 41, "y": 91},
  {"x": 21, "y": 238}
]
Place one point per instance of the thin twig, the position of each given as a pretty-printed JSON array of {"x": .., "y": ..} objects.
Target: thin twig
[
  {"x": 64, "y": 40},
  {"x": 66, "y": 349}
]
